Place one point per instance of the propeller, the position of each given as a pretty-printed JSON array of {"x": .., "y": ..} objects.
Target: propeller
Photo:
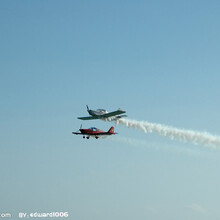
[{"x": 79, "y": 128}]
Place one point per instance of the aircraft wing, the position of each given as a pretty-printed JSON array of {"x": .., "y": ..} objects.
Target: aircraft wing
[
  {"x": 89, "y": 118},
  {"x": 110, "y": 114},
  {"x": 76, "y": 133}
]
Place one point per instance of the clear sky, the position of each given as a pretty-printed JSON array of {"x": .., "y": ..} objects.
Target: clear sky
[{"x": 158, "y": 60}]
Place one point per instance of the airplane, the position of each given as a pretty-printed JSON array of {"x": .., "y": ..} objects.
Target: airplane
[
  {"x": 103, "y": 114},
  {"x": 94, "y": 132}
]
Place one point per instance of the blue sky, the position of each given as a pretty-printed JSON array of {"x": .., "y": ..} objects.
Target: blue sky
[{"x": 158, "y": 60}]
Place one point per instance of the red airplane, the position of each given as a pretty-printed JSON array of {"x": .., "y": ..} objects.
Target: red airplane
[{"x": 94, "y": 132}]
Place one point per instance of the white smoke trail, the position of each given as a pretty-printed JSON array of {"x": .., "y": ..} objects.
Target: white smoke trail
[{"x": 195, "y": 137}]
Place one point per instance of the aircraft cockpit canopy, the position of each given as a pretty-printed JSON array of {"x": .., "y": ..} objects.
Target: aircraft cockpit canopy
[
  {"x": 94, "y": 129},
  {"x": 101, "y": 110}
]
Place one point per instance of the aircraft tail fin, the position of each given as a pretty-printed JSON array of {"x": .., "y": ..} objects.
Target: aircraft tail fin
[
  {"x": 111, "y": 130},
  {"x": 87, "y": 107}
]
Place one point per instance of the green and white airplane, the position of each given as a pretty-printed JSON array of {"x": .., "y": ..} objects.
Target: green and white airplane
[{"x": 103, "y": 115}]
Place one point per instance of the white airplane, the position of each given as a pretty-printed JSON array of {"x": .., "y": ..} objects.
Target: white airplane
[{"x": 103, "y": 115}]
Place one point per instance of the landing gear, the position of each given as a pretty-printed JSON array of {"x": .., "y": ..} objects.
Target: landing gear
[
  {"x": 83, "y": 136},
  {"x": 87, "y": 137}
]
